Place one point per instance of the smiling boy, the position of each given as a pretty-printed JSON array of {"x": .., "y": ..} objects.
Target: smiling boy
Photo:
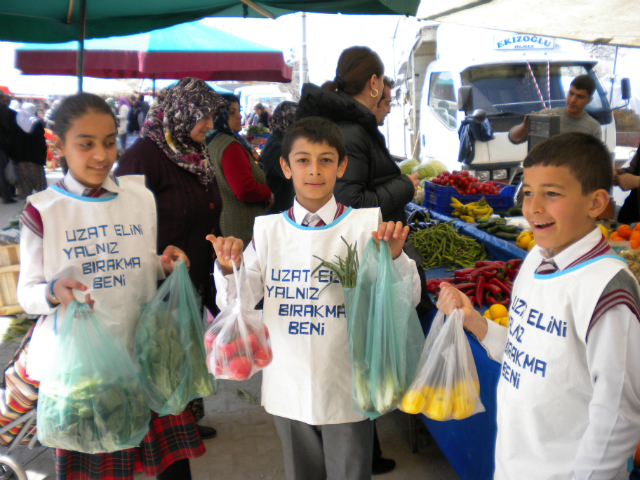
[
  {"x": 569, "y": 393},
  {"x": 307, "y": 387}
]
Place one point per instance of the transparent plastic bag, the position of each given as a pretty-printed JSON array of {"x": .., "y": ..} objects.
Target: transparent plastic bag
[
  {"x": 92, "y": 402},
  {"x": 169, "y": 350},
  {"x": 237, "y": 342},
  {"x": 446, "y": 385},
  {"x": 384, "y": 333}
]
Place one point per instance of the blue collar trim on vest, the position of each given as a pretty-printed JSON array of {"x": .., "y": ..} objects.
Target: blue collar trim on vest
[
  {"x": 537, "y": 276},
  {"x": 80, "y": 197},
  {"x": 324, "y": 227}
]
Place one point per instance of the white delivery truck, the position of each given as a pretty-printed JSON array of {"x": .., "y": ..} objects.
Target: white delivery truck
[{"x": 451, "y": 71}]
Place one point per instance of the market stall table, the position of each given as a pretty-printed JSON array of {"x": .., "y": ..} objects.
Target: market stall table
[{"x": 469, "y": 444}]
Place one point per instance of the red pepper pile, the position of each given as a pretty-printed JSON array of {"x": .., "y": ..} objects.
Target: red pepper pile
[{"x": 489, "y": 282}]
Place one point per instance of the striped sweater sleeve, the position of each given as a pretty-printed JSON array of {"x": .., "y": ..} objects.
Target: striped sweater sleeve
[
  {"x": 623, "y": 289},
  {"x": 31, "y": 219}
]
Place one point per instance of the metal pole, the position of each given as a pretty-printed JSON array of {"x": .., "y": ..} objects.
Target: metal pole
[
  {"x": 613, "y": 76},
  {"x": 304, "y": 67},
  {"x": 80, "y": 59},
  {"x": 153, "y": 76}
]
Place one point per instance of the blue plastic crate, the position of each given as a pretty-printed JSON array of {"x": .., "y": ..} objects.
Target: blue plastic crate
[{"x": 438, "y": 198}]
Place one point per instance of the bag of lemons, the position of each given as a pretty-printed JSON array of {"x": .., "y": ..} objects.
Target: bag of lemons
[{"x": 446, "y": 384}]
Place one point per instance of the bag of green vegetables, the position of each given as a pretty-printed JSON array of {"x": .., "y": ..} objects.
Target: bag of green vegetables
[
  {"x": 169, "y": 346},
  {"x": 92, "y": 402},
  {"x": 384, "y": 333}
]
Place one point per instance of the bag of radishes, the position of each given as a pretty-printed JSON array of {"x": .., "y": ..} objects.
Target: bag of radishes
[{"x": 237, "y": 342}]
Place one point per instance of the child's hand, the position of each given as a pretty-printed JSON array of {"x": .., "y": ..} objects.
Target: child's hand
[
  {"x": 228, "y": 250},
  {"x": 170, "y": 256},
  {"x": 451, "y": 298},
  {"x": 394, "y": 233},
  {"x": 63, "y": 289}
]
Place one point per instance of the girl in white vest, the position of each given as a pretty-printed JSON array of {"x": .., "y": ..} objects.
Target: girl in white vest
[
  {"x": 569, "y": 391},
  {"x": 92, "y": 237},
  {"x": 307, "y": 387}
]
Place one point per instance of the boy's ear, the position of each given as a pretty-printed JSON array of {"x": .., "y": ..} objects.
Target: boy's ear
[
  {"x": 342, "y": 167},
  {"x": 286, "y": 169},
  {"x": 599, "y": 201}
]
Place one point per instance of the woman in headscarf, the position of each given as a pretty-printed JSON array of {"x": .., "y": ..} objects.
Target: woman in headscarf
[
  {"x": 29, "y": 152},
  {"x": 282, "y": 188},
  {"x": 245, "y": 194},
  {"x": 172, "y": 155},
  {"x": 123, "y": 119}
]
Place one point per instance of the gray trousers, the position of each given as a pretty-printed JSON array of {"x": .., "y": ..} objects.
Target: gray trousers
[{"x": 326, "y": 452}]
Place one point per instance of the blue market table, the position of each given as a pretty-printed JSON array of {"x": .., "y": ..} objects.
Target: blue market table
[{"x": 469, "y": 444}]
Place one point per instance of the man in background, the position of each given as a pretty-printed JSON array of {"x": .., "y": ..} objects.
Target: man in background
[
  {"x": 573, "y": 118},
  {"x": 384, "y": 105}
]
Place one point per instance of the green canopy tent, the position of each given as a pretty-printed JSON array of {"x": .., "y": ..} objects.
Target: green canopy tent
[{"x": 51, "y": 21}]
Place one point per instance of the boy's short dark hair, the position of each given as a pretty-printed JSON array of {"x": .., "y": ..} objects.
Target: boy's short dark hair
[
  {"x": 583, "y": 154},
  {"x": 584, "y": 82},
  {"x": 315, "y": 130}
]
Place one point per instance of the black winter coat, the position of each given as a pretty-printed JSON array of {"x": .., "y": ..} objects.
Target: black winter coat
[{"x": 372, "y": 178}]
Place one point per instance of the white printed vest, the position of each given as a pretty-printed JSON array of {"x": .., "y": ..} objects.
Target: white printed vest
[
  {"x": 309, "y": 379},
  {"x": 109, "y": 245},
  {"x": 545, "y": 386}
]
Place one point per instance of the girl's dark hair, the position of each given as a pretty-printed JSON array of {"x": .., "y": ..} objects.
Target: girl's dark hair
[
  {"x": 76, "y": 106},
  {"x": 230, "y": 98},
  {"x": 355, "y": 68}
]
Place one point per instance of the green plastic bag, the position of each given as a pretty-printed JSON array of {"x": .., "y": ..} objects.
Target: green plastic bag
[
  {"x": 384, "y": 333},
  {"x": 169, "y": 346},
  {"x": 92, "y": 402}
]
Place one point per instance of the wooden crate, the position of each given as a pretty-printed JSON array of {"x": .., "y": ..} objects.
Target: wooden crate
[{"x": 9, "y": 271}]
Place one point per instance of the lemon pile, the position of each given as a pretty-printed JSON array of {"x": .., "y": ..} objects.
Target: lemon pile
[
  {"x": 442, "y": 403},
  {"x": 498, "y": 313}
]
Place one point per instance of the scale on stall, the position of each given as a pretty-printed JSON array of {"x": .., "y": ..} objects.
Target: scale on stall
[{"x": 542, "y": 127}]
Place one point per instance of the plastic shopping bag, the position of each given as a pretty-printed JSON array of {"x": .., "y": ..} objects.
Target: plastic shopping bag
[
  {"x": 446, "y": 385},
  {"x": 238, "y": 342},
  {"x": 169, "y": 348},
  {"x": 92, "y": 402},
  {"x": 384, "y": 333}
]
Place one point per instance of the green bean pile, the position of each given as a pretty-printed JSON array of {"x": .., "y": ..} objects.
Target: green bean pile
[{"x": 442, "y": 246}]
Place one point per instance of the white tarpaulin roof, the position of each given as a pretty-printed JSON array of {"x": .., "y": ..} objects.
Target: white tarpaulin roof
[{"x": 610, "y": 22}]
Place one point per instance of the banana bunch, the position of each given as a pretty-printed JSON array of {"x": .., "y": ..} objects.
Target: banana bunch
[{"x": 470, "y": 211}]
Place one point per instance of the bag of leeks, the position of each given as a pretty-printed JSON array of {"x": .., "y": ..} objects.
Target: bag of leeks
[
  {"x": 169, "y": 346},
  {"x": 384, "y": 334},
  {"x": 92, "y": 402}
]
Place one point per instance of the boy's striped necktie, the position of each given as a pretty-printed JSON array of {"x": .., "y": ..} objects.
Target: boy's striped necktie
[
  {"x": 547, "y": 267},
  {"x": 312, "y": 220}
]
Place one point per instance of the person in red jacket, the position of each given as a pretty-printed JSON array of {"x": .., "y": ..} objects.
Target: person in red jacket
[{"x": 243, "y": 184}]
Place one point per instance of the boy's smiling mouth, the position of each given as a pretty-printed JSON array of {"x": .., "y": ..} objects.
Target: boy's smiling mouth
[{"x": 541, "y": 226}]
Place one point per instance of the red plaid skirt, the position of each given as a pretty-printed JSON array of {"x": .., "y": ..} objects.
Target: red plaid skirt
[{"x": 170, "y": 438}]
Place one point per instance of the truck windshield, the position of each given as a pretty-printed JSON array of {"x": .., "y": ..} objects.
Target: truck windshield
[{"x": 530, "y": 87}]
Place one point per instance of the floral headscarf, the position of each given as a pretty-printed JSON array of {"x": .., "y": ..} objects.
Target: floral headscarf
[
  {"x": 169, "y": 125},
  {"x": 282, "y": 117}
]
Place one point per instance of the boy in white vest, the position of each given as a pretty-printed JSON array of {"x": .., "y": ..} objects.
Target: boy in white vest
[
  {"x": 569, "y": 394},
  {"x": 307, "y": 387}
]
